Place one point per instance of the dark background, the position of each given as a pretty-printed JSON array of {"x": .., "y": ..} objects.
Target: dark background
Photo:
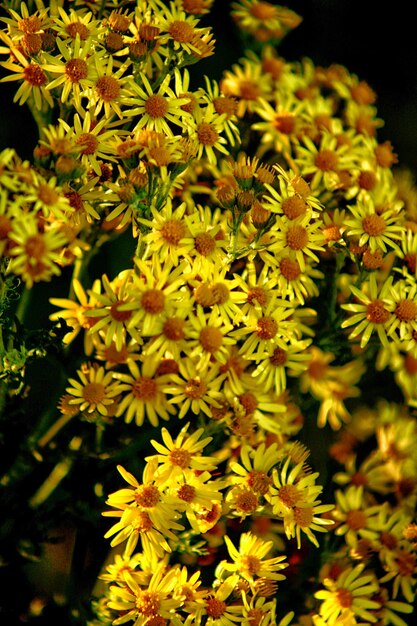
[{"x": 376, "y": 44}]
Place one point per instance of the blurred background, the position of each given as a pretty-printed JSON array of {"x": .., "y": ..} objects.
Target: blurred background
[{"x": 377, "y": 44}]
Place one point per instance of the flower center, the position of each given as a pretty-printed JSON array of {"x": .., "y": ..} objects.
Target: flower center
[
  {"x": 153, "y": 301},
  {"x": 290, "y": 269},
  {"x": 89, "y": 143},
  {"x": 257, "y": 295},
  {"x": 376, "y": 312},
  {"x": 30, "y": 24},
  {"x": 284, "y": 123},
  {"x": 278, "y": 357},
  {"x": 195, "y": 388},
  {"x": 406, "y": 310},
  {"x": 147, "y": 496},
  {"x": 156, "y": 106},
  {"x": 144, "y": 388},
  {"x": 293, "y": 207},
  {"x": 186, "y": 493},
  {"x": 367, "y": 180},
  {"x": 303, "y": 516},
  {"x": 147, "y": 602},
  {"x": 263, "y": 11},
  {"x": 266, "y": 328},
  {"x": 250, "y": 563},
  {"x": 249, "y": 402},
  {"x": 356, "y": 519},
  {"x": 210, "y": 339},
  {"x": 141, "y": 522},
  {"x": 93, "y": 393},
  {"x": 326, "y": 160},
  {"x": 249, "y": 90},
  {"x": 215, "y": 608},
  {"x": 406, "y": 563},
  {"x": 332, "y": 232},
  {"x": 116, "y": 314},
  {"x": 180, "y": 457},
  {"x": 344, "y": 598},
  {"x": 220, "y": 293},
  {"x": 181, "y": 31},
  {"x": 246, "y": 501},
  {"x": 107, "y": 88},
  {"x": 34, "y": 75},
  {"x": 259, "y": 481},
  {"x": 76, "y": 70},
  {"x": 203, "y": 295},
  {"x": 289, "y": 495},
  {"x": 297, "y": 237},
  {"x": 374, "y": 225},
  {"x": 207, "y": 135},
  {"x": 225, "y": 105},
  {"x": 35, "y": 247},
  {"x": 173, "y": 231},
  {"x": 77, "y": 28},
  {"x": 47, "y": 195},
  {"x": 204, "y": 244},
  {"x": 173, "y": 329}
]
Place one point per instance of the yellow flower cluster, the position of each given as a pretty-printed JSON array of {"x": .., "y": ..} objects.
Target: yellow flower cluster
[{"x": 264, "y": 271}]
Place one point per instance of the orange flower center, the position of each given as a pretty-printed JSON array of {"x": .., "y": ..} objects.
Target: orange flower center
[
  {"x": 257, "y": 295},
  {"x": 77, "y": 28},
  {"x": 147, "y": 496},
  {"x": 246, "y": 501},
  {"x": 180, "y": 457},
  {"x": 195, "y": 388},
  {"x": 173, "y": 329},
  {"x": 250, "y": 563},
  {"x": 344, "y": 598},
  {"x": 93, "y": 393},
  {"x": 34, "y": 75},
  {"x": 406, "y": 310},
  {"x": 376, "y": 312},
  {"x": 47, "y": 195},
  {"x": 290, "y": 269},
  {"x": 89, "y": 143},
  {"x": 207, "y": 134},
  {"x": 259, "y": 481},
  {"x": 204, "y": 244},
  {"x": 297, "y": 237},
  {"x": 215, "y": 608},
  {"x": 367, "y": 180},
  {"x": 156, "y": 106},
  {"x": 284, "y": 123},
  {"x": 181, "y": 31},
  {"x": 173, "y": 231},
  {"x": 76, "y": 70},
  {"x": 30, "y": 24},
  {"x": 141, "y": 522},
  {"x": 293, "y": 207},
  {"x": 220, "y": 293},
  {"x": 326, "y": 160},
  {"x": 263, "y": 11},
  {"x": 108, "y": 88},
  {"x": 266, "y": 328},
  {"x": 225, "y": 104},
  {"x": 147, "y": 602},
  {"x": 144, "y": 388},
  {"x": 278, "y": 357},
  {"x": 406, "y": 563},
  {"x": 356, "y": 519},
  {"x": 249, "y": 90},
  {"x": 153, "y": 301},
  {"x": 210, "y": 339},
  {"x": 117, "y": 314},
  {"x": 289, "y": 495},
  {"x": 303, "y": 516},
  {"x": 203, "y": 295},
  {"x": 186, "y": 493},
  {"x": 374, "y": 225},
  {"x": 249, "y": 402},
  {"x": 35, "y": 247}
]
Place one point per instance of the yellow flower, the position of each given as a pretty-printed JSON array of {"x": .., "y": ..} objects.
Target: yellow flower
[
  {"x": 378, "y": 229},
  {"x": 255, "y": 467},
  {"x": 264, "y": 20},
  {"x": 146, "y": 396},
  {"x": 249, "y": 560},
  {"x": 401, "y": 301},
  {"x": 348, "y": 596},
  {"x": 96, "y": 391},
  {"x": 247, "y": 83},
  {"x": 302, "y": 237},
  {"x": 357, "y": 519},
  {"x": 217, "y": 610},
  {"x": 205, "y": 128}
]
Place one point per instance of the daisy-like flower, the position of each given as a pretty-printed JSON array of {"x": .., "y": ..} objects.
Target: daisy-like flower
[
  {"x": 168, "y": 230},
  {"x": 181, "y": 456},
  {"x": 76, "y": 69},
  {"x": 35, "y": 255},
  {"x": 34, "y": 79},
  {"x": 302, "y": 237},
  {"x": 155, "y": 110},
  {"x": 108, "y": 91},
  {"x": 208, "y": 337},
  {"x": 294, "y": 197},
  {"x": 205, "y": 128},
  {"x": 199, "y": 494},
  {"x": 282, "y": 123},
  {"x": 357, "y": 520},
  {"x": 218, "y": 611},
  {"x": 95, "y": 390},
  {"x": 205, "y": 229},
  {"x": 158, "y": 291},
  {"x": 401, "y": 301},
  {"x": 215, "y": 290},
  {"x": 145, "y": 395},
  {"x": 292, "y": 486},
  {"x": 294, "y": 283},
  {"x": 223, "y": 105},
  {"x": 145, "y": 513},
  {"x": 109, "y": 315},
  {"x": 48, "y": 197},
  {"x": 249, "y": 560},
  {"x": 76, "y": 24},
  {"x": 257, "y": 288},
  {"x": 348, "y": 596},
  {"x": 370, "y": 312},
  {"x": 255, "y": 467},
  {"x": 178, "y": 28},
  {"x": 376, "y": 229},
  {"x": 401, "y": 567},
  {"x": 247, "y": 82},
  {"x": 73, "y": 312},
  {"x": 194, "y": 389},
  {"x": 264, "y": 20},
  {"x": 153, "y": 603}
]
